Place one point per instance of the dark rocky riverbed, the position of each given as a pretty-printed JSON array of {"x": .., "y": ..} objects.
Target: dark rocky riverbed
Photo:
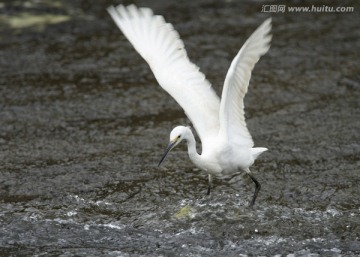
[{"x": 83, "y": 124}]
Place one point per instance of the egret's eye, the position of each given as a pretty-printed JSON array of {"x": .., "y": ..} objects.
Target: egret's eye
[{"x": 178, "y": 137}]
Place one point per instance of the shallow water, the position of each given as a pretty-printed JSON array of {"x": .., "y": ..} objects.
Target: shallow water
[{"x": 84, "y": 123}]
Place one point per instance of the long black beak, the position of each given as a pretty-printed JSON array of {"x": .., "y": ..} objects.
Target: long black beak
[{"x": 168, "y": 148}]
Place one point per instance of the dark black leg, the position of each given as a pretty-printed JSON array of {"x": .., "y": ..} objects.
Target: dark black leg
[
  {"x": 257, "y": 189},
  {"x": 209, "y": 186}
]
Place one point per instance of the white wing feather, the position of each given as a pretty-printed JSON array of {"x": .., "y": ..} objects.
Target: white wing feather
[
  {"x": 232, "y": 120},
  {"x": 159, "y": 44}
]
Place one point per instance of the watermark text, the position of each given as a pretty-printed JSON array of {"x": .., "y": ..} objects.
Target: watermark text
[{"x": 274, "y": 8}]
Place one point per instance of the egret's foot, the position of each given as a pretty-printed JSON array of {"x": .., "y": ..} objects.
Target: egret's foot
[
  {"x": 210, "y": 184},
  {"x": 257, "y": 189}
]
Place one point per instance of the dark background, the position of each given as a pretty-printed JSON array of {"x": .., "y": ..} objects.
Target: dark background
[{"x": 83, "y": 124}]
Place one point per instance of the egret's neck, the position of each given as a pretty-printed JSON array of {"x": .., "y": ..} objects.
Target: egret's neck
[{"x": 194, "y": 156}]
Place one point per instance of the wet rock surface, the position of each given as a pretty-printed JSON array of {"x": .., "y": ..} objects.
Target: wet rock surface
[{"x": 84, "y": 123}]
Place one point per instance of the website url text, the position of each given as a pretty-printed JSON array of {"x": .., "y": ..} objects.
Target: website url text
[{"x": 310, "y": 9}]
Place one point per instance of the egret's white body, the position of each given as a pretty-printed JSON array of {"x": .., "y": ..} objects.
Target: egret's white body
[{"x": 227, "y": 146}]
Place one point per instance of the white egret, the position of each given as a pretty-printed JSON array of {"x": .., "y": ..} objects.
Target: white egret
[{"x": 227, "y": 146}]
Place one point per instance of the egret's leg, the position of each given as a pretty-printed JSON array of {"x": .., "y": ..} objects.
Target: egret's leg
[
  {"x": 210, "y": 184},
  {"x": 257, "y": 187}
]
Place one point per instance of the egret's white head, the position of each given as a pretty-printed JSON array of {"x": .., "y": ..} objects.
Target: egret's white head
[{"x": 176, "y": 136}]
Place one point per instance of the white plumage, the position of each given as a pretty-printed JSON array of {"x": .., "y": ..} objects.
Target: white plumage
[{"x": 227, "y": 146}]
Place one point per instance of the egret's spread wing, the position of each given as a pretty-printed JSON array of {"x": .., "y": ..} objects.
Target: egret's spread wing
[
  {"x": 232, "y": 120},
  {"x": 159, "y": 44}
]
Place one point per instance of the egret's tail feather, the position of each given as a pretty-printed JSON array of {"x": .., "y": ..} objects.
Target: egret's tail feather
[{"x": 256, "y": 151}]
